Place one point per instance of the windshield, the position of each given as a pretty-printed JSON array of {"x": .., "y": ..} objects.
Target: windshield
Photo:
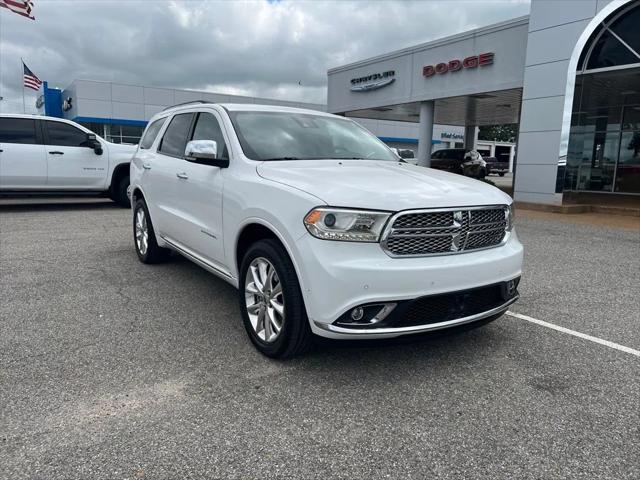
[{"x": 300, "y": 136}]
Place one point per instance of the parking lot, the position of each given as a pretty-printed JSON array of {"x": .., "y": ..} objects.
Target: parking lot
[{"x": 114, "y": 369}]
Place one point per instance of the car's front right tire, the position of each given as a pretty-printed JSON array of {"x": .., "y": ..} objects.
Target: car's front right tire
[
  {"x": 144, "y": 236},
  {"x": 271, "y": 301}
]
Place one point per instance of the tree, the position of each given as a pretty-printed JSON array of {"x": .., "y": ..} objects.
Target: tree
[{"x": 499, "y": 133}]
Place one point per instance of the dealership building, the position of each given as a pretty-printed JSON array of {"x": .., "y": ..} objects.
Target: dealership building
[
  {"x": 568, "y": 74},
  {"x": 119, "y": 112}
]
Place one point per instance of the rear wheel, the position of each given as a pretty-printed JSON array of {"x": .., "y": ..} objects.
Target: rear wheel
[
  {"x": 120, "y": 192},
  {"x": 271, "y": 302},
  {"x": 501, "y": 174},
  {"x": 144, "y": 237}
]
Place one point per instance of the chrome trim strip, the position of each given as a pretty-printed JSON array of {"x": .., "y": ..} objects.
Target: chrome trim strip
[
  {"x": 388, "y": 230},
  {"x": 417, "y": 328}
]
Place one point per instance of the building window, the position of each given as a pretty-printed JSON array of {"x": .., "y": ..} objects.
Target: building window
[
  {"x": 604, "y": 140},
  {"x": 124, "y": 133}
]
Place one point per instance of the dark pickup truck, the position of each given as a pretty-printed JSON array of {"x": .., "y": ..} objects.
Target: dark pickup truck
[{"x": 495, "y": 165}]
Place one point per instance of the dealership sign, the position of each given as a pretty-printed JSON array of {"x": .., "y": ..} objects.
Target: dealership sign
[
  {"x": 452, "y": 136},
  {"x": 456, "y": 65},
  {"x": 373, "y": 82}
]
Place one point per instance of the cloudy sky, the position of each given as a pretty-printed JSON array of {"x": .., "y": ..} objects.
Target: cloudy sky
[{"x": 269, "y": 48}]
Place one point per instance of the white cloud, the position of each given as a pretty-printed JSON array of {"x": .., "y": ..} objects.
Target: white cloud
[{"x": 271, "y": 49}]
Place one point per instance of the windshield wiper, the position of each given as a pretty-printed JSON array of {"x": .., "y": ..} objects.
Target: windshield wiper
[{"x": 281, "y": 158}]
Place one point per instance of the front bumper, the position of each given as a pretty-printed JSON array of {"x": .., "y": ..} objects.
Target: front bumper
[
  {"x": 430, "y": 313},
  {"x": 339, "y": 276}
]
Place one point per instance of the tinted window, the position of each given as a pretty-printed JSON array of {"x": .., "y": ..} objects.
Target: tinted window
[
  {"x": 65, "y": 135},
  {"x": 17, "y": 130},
  {"x": 151, "y": 133},
  {"x": 627, "y": 28},
  {"x": 175, "y": 137},
  {"x": 609, "y": 52},
  {"x": 208, "y": 128}
]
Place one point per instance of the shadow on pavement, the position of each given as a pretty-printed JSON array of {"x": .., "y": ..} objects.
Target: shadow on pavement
[{"x": 40, "y": 205}]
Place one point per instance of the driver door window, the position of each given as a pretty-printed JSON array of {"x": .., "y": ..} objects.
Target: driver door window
[{"x": 71, "y": 162}]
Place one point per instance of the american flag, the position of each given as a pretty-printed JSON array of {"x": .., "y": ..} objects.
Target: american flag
[
  {"x": 21, "y": 7},
  {"x": 30, "y": 79}
]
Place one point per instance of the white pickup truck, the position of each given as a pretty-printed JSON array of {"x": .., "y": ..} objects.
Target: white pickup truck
[{"x": 42, "y": 155}]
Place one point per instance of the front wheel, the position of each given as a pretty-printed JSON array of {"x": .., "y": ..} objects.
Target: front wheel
[
  {"x": 271, "y": 302},
  {"x": 144, "y": 237}
]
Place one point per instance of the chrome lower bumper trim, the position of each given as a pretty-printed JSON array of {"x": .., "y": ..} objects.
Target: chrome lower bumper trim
[{"x": 417, "y": 328}]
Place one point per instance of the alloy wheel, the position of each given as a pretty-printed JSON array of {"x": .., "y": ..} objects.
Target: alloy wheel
[
  {"x": 141, "y": 231},
  {"x": 264, "y": 299}
]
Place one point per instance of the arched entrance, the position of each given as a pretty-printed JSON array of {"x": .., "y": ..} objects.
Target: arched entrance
[{"x": 603, "y": 154}]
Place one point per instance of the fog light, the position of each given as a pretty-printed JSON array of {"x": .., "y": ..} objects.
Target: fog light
[{"x": 357, "y": 314}]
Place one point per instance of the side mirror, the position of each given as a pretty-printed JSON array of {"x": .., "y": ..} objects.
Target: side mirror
[
  {"x": 93, "y": 142},
  {"x": 204, "y": 152}
]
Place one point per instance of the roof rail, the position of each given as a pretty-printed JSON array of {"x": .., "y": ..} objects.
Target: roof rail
[{"x": 184, "y": 103}]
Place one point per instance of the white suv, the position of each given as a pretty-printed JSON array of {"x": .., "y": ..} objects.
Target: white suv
[
  {"x": 320, "y": 226},
  {"x": 52, "y": 155}
]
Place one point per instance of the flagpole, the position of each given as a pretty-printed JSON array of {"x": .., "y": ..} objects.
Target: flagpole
[{"x": 24, "y": 105}]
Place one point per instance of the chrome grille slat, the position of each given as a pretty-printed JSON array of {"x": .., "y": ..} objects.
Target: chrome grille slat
[{"x": 441, "y": 232}]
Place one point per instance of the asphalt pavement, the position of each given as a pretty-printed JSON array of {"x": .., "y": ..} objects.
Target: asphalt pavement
[{"x": 114, "y": 369}]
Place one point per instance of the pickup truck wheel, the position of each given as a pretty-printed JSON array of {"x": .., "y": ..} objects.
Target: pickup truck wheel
[
  {"x": 271, "y": 302},
  {"x": 501, "y": 174},
  {"x": 120, "y": 193},
  {"x": 144, "y": 237}
]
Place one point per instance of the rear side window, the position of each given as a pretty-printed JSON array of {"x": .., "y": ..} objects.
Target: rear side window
[
  {"x": 18, "y": 130},
  {"x": 175, "y": 137},
  {"x": 65, "y": 135},
  {"x": 208, "y": 128},
  {"x": 151, "y": 133}
]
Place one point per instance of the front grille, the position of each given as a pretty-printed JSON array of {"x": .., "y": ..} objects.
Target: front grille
[{"x": 444, "y": 232}]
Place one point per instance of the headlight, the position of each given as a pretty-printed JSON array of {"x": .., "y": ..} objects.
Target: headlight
[
  {"x": 345, "y": 224},
  {"x": 510, "y": 214}
]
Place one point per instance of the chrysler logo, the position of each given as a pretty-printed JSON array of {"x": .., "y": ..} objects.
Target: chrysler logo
[{"x": 373, "y": 82}]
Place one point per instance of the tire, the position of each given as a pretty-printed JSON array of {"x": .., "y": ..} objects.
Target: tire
[
  {"x": 120, "y": 193},
  {"x": 501, "y": 174},
  {"x": 147, "y": 249},
  {"x": 294, "y": 336}
]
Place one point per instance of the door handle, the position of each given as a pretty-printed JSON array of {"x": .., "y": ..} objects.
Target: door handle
[
  {"x": 146, "y": 166},
  {"x": 182, "y": 175},
  {"x": 56, "y": 152}
]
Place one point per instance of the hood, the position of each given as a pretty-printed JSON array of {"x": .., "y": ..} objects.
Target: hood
[
  {"x": 121, "y": 147},
  {"x": 120, "y": 152},
  {"x": 381, "y": 185}
]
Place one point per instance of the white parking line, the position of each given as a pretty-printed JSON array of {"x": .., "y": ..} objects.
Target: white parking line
[{"x": 606, "y": 343}]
